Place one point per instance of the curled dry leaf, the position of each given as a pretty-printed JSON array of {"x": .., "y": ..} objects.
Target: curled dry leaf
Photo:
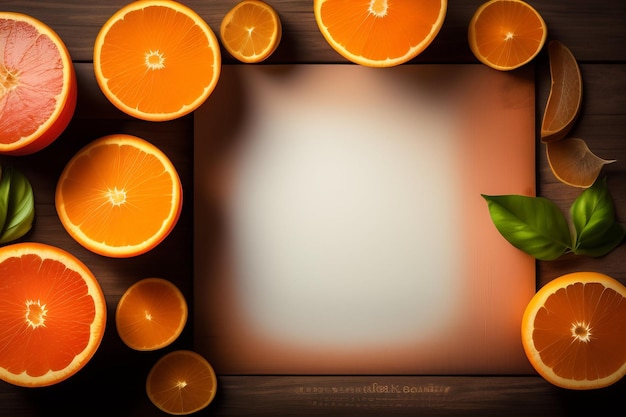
[
  {"x": 573, "y": 163},
  {"x": 565, "y": 97}
]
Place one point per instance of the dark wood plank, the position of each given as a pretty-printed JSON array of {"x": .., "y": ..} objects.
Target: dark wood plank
[{"x": 113, "y": 382}]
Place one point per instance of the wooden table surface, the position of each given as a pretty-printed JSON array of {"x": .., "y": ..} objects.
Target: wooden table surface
[{"x": 112, "y": 384}]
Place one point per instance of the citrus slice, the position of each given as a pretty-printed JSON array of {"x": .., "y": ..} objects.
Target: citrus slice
[
  {"x": 37, "y": 85},
  {"x": 574, "y": 331},
  {"x": 251, "y": 31},
  {"x": 181, "y": 382},
  {"x": 52, "y": 314},
  {"x": 380, "y": 33},
  {"x": 506, "y": 34},
  {"x": 566, "y": 90},
  {"x": 573, "y": 163},
  {"x": 119, "y": 196},
  {"x": 151, "y": 314},
  {"x": 156, "y": 60}
]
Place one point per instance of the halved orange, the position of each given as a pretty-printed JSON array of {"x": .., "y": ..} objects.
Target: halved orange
[
  {"x": 156, "y": 59},
  {"x": 506, "y": 34},
  {"x": 37, "y": 85},
  {"x": 251, "y": 31},
  {"x": 52, "y": 314},
  {"x": 181, "y": 382},
  {"x": 574, "y": 331},
  {"x": 151, "y": 314},
  {"x": 380, "y": 33},
  {"x": 119, "y": 196}
]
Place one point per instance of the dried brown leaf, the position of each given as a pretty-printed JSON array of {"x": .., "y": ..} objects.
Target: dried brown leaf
[
  {"x": 573, "y": 163},
  {"x": 565, "y": 99}
]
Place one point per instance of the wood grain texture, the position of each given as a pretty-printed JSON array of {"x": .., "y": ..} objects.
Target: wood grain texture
[{"x": 112, "y": 384}]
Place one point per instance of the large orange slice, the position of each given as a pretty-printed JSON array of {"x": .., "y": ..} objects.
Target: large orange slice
[
  {"x": 574, "y": 331},
  {"x": 37, "y": 85},
  {"x": 151, "y": 314},
  {"x": 506, "y": 34},
  {"x": 119, "y": 196},
  {"x": 380, "y": 33},
  {"x": 156, "y": 59},
  {"x": 52, "y": 314},
  {"x": 181, "y": 382}
]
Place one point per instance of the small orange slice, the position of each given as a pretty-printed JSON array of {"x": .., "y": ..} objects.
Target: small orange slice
[
  {"x": 37, "y": 85},
  {"x": 52, "y": 314},
  {"x": 380, "y": 33},
  {"x": 119, "y": 196},
  {"x": 573, "y": 163},
  {"x": 151, "y": 314},
  {"x": 251, "y": 31},
  {"x": 566, "y": 90},
  {"x": 574, "y": 331},
  {"x": 506, "y": 34},
  {"x": 181, "y": 382},
  {"x": 156, "y": 60}
]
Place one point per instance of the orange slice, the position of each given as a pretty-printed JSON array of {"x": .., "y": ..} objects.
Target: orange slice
[
  {"x": 380, "y": 33},
  {"x": 52, "y": 314},
  {"x": 181, "y": 382},
  {"x": 156, "y": 60},
  {"x": 119, "y": 196},
  {"x": 506, "y": 34},
  {"x": 574, "y": 331},
  {"x": 566, "y": 90},
  {"x": 151, "y": 314},
  {"x": 573, "y": 163},
  {"x": 251, "y": 31},
  {"x": 37, "y": 85}
]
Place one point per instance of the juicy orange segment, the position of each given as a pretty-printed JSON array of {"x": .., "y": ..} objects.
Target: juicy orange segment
[
  {"x": 574, "y": 331},
  {"x": 506, "y": 34},
  {"x": 37, "y": 85},
  {"x": 151, "y": 314},
  {"x": 251, "y": 31},
  {"x": 380, "y": 33},
  {"x": 52, "y": 314},
  {"x": 156, "y": 60},
  {"x": 181, "y": 382},
  {"x": 119, "y": 196}
]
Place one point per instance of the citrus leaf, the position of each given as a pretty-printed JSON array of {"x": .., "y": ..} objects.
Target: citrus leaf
[
  {"x": 593, "y": 217},
  {"x": 20, "y": 208},
  {"x": 534, "y": 225},
  {"x": 5, "y": 186}
]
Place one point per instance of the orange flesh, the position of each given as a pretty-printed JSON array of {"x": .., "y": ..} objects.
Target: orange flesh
[
  {"x": 377, "y": 29},
  {"x": 574, "y": 357},
  {"x": 118, "y": 194},
  {"x": 60, "y": 312},
  {"x": 151, "y": 315},
  {"x": 251, "y": 42},
  {"x": 31, "y": 79},
  {"x": 508, "y": 33},
  {"x": 156, "y": 70}
]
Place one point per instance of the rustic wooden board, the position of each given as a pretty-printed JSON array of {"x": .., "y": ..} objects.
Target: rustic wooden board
[{"x": 113, "y": 383}]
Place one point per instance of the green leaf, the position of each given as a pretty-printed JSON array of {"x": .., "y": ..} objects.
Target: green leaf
[
  {"x": 20, "y": 208},
  {"x": 5, "y": 185},
  {"x": 595, "y": 224},
  {"x": 534, "y": 225}
]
